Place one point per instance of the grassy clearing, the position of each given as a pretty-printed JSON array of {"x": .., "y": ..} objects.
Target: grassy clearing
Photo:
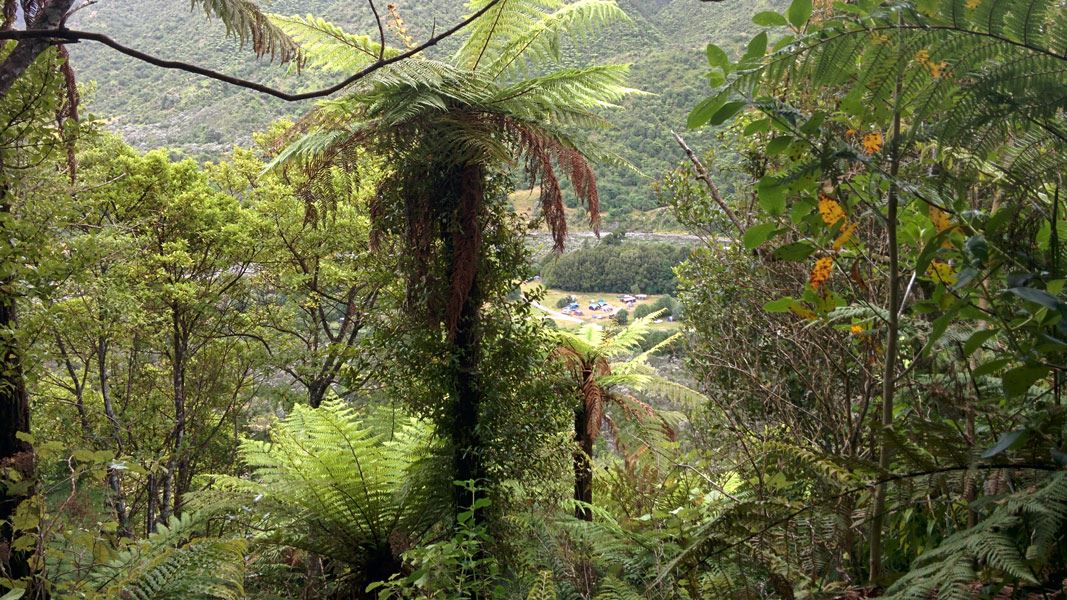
[{"x": 552, "y": 296}]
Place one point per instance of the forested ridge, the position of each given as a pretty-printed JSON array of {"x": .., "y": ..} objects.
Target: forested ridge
[
  {"x": 204, "y": 118},
  {"x": 369, "y": 346}
]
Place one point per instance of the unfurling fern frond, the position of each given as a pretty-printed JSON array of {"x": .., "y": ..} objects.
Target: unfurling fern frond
[
  {"x": 175, "y": 564},
  {"x": 245, "y": 21}
]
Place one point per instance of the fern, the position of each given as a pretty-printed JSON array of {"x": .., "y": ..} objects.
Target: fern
[
  {"x": 613, "y": 589},
  {"x": 245, "y": 21},
  {"x": 173, "y": 564},
  {"x": 329, "y": 484},
  {"x": 1009, "y": 547},
  {"x": 544, "y": 588},
  {"x": 997, "y": 84}
]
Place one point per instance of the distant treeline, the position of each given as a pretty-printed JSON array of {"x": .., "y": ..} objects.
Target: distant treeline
[{"x": 617, "y": 267}]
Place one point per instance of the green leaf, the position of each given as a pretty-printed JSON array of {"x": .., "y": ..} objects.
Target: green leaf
[
  {"x": 778, "y": 145},
  {"x": 83, "y": 455},
  {"x": 727, "y": 111},
  {"x": 703, "y": 112},
  {"x": 780, "y": 305},
  {"x": 1018, "y": 380},
  {"x": 991, "y": 367},
  {"x": 14, "y": 594},
  {"x": 756, "y": 48},
  {"x": 796, "y": 251},
  {"x": 769, "y": 18},
  {"x": 717, "y": 57},
  {"x": 1007, "y": 441},
  {"x": 757, "y": 234},
  {"x": 760, "y": 126},
  {"x": 977, "y": 339},
  {"x": 716, "y": 77},
  {"x": 1037, "y": 297},
  {"x": 798, "y": 13},
  {"x": 771, "y": 195}
]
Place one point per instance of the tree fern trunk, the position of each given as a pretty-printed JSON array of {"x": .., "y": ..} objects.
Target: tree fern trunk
[
  {"x": 583, "y": 464},
  {"x": 466, "y": 344}
]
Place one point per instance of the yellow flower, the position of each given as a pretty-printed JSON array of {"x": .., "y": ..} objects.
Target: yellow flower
[
  {"x": 851, "y": 131},
  {"x": 856, "y": 329},
  {"x": 937, "y": 70},
  {"x": 972, "y": 4},
  {"x": 922, "y": 56},
  {"x": 830, "y": 210},
  {"x": 872, "y": 142},
  {"x": 820, "y": 273},
  {"x": 847, "y": 231}
]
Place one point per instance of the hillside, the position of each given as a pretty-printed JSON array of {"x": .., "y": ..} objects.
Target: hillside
[{"x": 664, "y": 43}]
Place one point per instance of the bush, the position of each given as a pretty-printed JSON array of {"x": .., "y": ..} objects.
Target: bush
[
  {"x": 622, "y": 317},
  {"x": 643, "y": 311},
  {"x": 617, "y": 267},
  {"x": 564, "y": 301}
]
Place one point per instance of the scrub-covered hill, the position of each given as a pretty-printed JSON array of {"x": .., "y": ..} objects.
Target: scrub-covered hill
[{"x": 153, "y": 107}]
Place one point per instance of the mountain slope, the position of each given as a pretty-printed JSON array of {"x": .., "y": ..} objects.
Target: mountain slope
[{"x": 152, "y": 107}]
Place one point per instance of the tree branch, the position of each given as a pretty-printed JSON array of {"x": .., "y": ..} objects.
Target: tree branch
[
  {"x": 702, "y": 174},
  {"x": 68, "y": 36}
]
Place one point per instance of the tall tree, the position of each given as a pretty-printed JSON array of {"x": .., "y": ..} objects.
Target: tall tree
[{"x": 443, "y": 129}]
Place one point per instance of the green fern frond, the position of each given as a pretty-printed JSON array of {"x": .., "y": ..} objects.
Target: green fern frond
[
  {"x": 1009, "y": 547},
  {"x": 173, "y": 563},
  {"x": 328, "y": 47}
]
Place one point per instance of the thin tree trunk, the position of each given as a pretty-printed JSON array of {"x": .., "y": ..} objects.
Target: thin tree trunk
[
  {"x": 889, "y": 375},
  {"x": 114, "y": 478},
  {"x": 150, "y": 505},
  {"x": 583, "y": 464},
  {"x": 171, "y": 503}
]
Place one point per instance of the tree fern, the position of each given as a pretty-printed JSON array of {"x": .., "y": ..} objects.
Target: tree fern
[{"x": 330, "y": 484}]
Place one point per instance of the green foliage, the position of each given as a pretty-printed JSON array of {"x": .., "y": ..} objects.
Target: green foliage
[
  {"x": 544, "y": 588},
  {"x": 1012, "y": 546},
  {"x": 328, "y": 483},
  {"x": 205, "y": 119},
  {"x": 245, "y": 21},
  {"x": 174, "y": 563},
  {"x": 624, "y": 268}
]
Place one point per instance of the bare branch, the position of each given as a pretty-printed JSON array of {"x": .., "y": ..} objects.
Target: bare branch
[{"x": 702, "y": 174}]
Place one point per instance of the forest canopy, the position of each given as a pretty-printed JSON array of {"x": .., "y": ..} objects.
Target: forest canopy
[{"x": 312, "y": 362}]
